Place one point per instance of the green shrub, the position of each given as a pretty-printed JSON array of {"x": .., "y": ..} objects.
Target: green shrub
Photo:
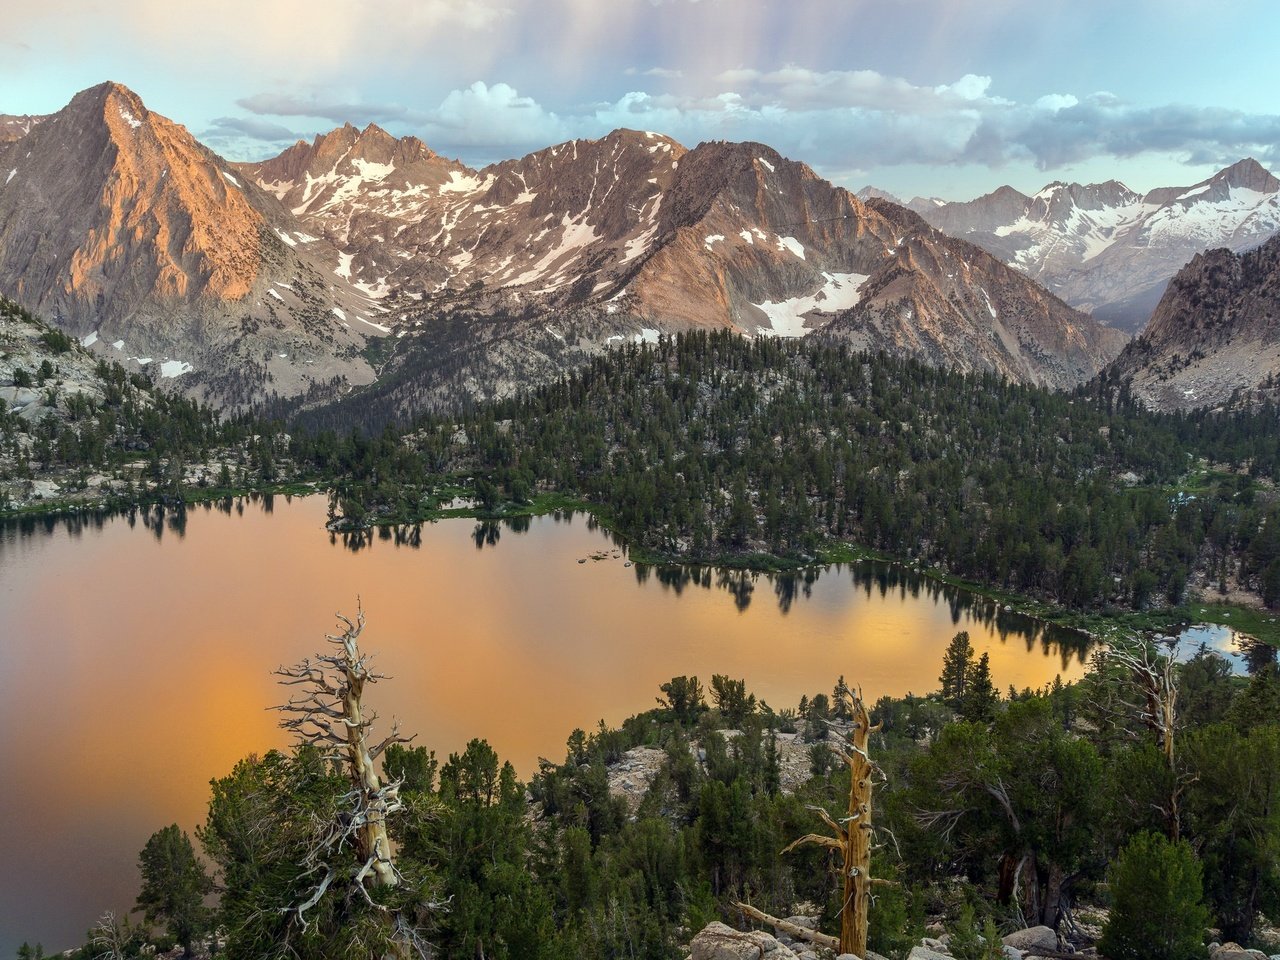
[{"x": 1156, "y": 911}]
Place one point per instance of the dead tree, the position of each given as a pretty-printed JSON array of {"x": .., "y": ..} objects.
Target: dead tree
[
  {"x": 331, "y": 716},
  {"x": 1148, "y": 690},
  {"x": 850, "y": 838}
]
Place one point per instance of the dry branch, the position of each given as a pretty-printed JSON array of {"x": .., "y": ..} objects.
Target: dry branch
[{"x": 790, "y": 929}]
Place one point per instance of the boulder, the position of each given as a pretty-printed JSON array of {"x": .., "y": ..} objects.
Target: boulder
[
  {"x": 717, "y": 941},
  {"x": 1032, "y": 939},
  {"x": 809, "y": 923},
  {"x": 924, "y": 953},
  {"x": 1233, "y": 951}
]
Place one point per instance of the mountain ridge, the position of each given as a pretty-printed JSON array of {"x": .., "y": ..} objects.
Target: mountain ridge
[
  {"x": 1106, "y": 249},
  {"x": 280, "y": 271}
]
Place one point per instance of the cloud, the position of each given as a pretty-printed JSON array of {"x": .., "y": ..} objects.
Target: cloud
[
  {"x": 839, "y": 121},
  {"x": 249, "y": 127},
  {"x": 862, "y": 119},
  {"x": 663, "y": 73},
  {"x": 295, "y": 105},
  {"x": 494, "y": 116}
]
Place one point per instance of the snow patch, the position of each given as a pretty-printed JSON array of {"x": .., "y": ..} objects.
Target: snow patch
[
  {"x": 273, "y": 293},
  {"x": 576, "y": 236},
  {"x": 374, "y": 291},
  {"x": 119, "y": 345},
  {"x": 376, "y": 326},
  {"x": 286, "y": 238},
  {"x": 11, "y": 173},
  {"x": 792, "y": 244},
  {"x": 175, "y": 368},
  {"x": 646, "y": 335},
  {"x": 235, "y": 183},
  {"x": 337, "y": 312},
  {"x": 344, "y": 265},
  {"x": 766, "y": 164},
  {"x": 787, "y": 317},
  {"x": 712, "y": 239},
  {"x": 459, "y": 184},
  {"x": 129, "y": 118},
  {"x": 90, "y": 340},
  {"x": 746, "y": 235}
]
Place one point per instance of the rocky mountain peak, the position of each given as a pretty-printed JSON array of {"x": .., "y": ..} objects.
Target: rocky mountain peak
[
  {"x": 117, "y": 224},
  {"x": 875, "y": 193},
  {"x": 132, "y": 180},
  {"x": 1249, "y": 174}
]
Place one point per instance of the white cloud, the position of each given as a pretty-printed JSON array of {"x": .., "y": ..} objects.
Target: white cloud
[
  {"x": 662, "y": 73},
  {"x": 968, "y": 87},
  {"x": 492, "y": 116}
]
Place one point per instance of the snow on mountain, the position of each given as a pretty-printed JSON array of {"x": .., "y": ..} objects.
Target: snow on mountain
[
  {"x": 1105, "y": 248},
  {"x": 268, "y": 277}
]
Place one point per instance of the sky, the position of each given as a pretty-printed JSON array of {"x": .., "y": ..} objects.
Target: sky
[{"x": 947, "y": 98}]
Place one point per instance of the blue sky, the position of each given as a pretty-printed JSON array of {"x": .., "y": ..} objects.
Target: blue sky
[{"x": 946, "y": 98}]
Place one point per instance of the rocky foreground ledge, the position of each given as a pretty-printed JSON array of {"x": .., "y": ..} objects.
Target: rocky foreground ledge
[{"x": 718, "y": 941}]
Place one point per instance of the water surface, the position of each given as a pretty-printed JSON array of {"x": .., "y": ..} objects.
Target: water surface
[{"x": 138, "y": 656}]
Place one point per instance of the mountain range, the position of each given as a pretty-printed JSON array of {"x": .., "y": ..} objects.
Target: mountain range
[
  {"x": 363, "y": 262},
  {"x": 1106, "y": 249}
]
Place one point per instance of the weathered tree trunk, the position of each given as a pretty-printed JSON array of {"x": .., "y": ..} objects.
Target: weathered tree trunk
[
  {"x": 372, "y": 843},
  {"x": 791, "y": 929},
  {"x": 852, "y": 836},
  {"x": 330, "y": 715},
  {"x": 1052, "y": 897},
  {"x": 857, "y": 853},
  {"x": 1156, "y": 681}
]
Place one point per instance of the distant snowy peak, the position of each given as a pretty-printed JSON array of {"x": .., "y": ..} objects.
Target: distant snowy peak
[
  {"x": 915, "y": 204},
  {"x": 1103, "y": 247}
]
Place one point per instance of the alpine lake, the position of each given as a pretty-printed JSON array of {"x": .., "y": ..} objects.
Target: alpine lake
[{"x": 139, "y": 652}]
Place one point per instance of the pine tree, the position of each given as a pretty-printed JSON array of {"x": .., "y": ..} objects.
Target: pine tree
[
  {"x": 980, "y": 697},
  {"x": 957, "y": 665},
  {"x": 174, "y": 885}
]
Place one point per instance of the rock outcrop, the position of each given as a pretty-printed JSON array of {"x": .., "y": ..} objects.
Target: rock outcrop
[{"x": 1215, "y": 335}]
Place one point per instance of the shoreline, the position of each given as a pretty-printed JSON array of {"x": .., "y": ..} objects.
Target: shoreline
[{"x": 1101, "y": 626}]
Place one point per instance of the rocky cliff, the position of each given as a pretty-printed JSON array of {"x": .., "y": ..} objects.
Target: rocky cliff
[{"x": 1215, "y": 334}]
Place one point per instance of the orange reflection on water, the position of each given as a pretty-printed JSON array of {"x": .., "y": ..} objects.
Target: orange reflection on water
[{"x": 139, "y": 666}]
